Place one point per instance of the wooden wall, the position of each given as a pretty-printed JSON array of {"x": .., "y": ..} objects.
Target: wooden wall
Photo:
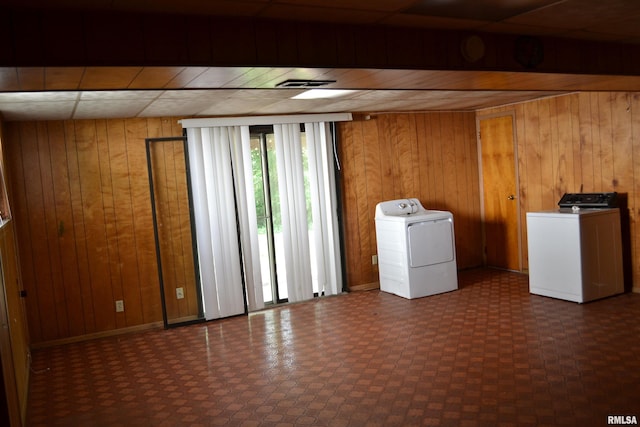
[
  {"x": 35, "y": 38},
  {"x": 431, "y": 156},
  {"x": 14, "y": 337},
  {"x": 82, "y": 209},
  {"x": 586, "y": 142}
]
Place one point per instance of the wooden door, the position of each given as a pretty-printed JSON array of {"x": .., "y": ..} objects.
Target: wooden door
[{"x": 500, "y": 193}]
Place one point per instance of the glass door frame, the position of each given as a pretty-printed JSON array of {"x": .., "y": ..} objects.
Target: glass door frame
[{"x": 261, "y": 132}]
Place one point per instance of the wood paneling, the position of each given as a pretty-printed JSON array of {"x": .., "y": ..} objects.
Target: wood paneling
[
  {"x": 586, "y": 142},
  {"x": 82, "y": 209},
  {"x": 431, "y": 156},
  {"x": 81, "y": 201},
  {"x": 40, "y": 37},
  {"x": 14, "y": 336}
]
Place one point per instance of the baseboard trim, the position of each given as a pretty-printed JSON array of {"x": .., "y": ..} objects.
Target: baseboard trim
[
  {"x": 105, "y": 334},
  {"x": 365, "y": 287}
]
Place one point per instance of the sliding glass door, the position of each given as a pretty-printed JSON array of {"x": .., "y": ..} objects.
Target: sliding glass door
[
  {"x": 263, "y": 162},
  {"x": 265, "y": 213},
  {"x": 268, "y": 214}
]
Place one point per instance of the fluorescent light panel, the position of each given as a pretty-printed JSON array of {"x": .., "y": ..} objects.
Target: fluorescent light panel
[{"x": 323, "y": 93}]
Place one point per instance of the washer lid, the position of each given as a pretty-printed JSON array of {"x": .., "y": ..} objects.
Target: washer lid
[{"x": 571, "y": 213}]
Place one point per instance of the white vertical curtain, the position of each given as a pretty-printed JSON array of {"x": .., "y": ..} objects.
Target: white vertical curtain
[
  {"x": 246, "y": 214},
  {"x": 224, "y": 210},
  {"x": 324, "y": 204},
  {"x": 217, "y": 161},
  {"x": 293, "y": 208}
]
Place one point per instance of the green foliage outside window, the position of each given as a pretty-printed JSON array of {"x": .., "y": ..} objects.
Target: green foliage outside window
[{"x": 258, "y": 185}]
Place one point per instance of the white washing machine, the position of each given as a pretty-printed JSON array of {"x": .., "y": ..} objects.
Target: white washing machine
[
  {"x": 575, "y": 253},
  {"x": 416, "y": 249}
]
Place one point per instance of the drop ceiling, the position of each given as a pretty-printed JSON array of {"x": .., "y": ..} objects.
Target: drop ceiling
[{"x": 49, "y": 93}]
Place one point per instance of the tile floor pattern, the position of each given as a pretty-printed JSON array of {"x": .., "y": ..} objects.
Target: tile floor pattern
[{"x": 489, "y": 354}]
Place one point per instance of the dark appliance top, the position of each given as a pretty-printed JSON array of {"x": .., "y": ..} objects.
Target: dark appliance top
[{"x": 589, "y": 200}]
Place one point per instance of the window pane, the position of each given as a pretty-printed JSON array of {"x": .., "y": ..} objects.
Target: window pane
[
  {"x": 258, "y": 181},
  {"x": 273, "y": 183}
]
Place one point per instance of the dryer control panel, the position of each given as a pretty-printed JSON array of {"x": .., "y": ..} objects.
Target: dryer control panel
[{"x": 400, "y": 207}]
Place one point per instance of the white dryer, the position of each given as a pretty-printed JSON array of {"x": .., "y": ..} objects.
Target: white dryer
[{"x": 416, "y": 249}]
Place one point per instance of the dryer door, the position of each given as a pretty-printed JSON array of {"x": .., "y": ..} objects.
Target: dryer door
[{"x": 430, "y": 242}]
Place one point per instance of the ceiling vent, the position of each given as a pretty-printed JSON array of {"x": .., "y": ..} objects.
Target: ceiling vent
[{"x": 303, "y": 84}]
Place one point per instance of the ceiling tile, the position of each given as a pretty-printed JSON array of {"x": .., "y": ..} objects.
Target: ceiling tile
[
  {"x": 236, "y": 107},
  {"x": 288, "y": 106},
  {"x": 347, "y": 105},
  {"x": 120, "y": 95},
  {"x": 9, "y": 97},
  {"x": 192, "y": 94},
  {"x": 217, "y": 77},
  {"x": 109, "y": 109},
  {"x": 261, "y": 77},
  {"x": 267, "y": 93},
  {"x": 175, "y": 107},
  {"x": 17, "y": 111}
]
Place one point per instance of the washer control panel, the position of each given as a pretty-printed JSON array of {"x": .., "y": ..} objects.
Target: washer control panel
[{"x": 589, "y": 200}]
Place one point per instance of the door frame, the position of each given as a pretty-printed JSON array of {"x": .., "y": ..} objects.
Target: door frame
[
  {"x": 198, "y": 283},
  {"x": 262, "y": 131},
  {"x": 480, "y": 117}
]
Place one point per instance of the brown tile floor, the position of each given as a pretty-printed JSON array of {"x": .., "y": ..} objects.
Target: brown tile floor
[{"x": 489, "y": 354}]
